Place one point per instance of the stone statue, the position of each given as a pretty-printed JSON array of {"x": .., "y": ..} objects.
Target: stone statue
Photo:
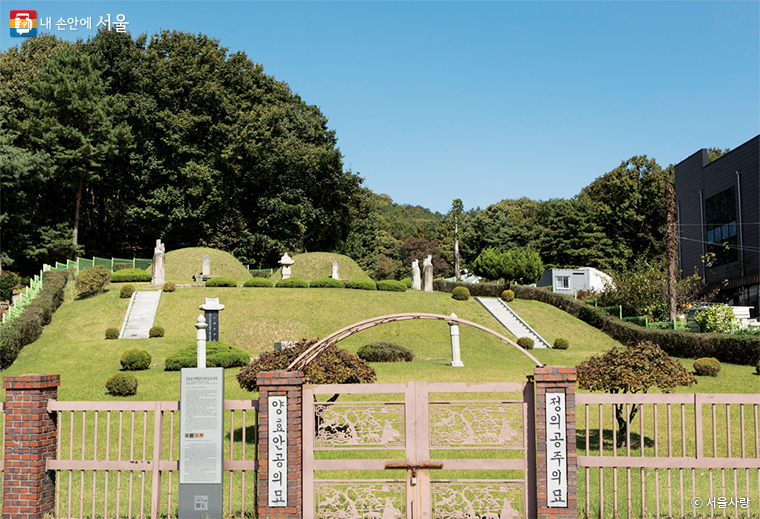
[
  {"x": 427, "y": 283},
  {"x": 335, "y": 274},
  {"x": 416, "y": 282},
  {"x": 206, "y": 266},
  {"x": 159, "y": 264}
]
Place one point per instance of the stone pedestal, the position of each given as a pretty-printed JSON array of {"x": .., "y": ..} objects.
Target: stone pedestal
[{"x": 30, "y": 440}]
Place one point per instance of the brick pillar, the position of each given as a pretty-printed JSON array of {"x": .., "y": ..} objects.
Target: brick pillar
[
  {"x": 30, "y": 440},
  {"x": 549, "y": 380},
  {"x": 289, "y": 384}
]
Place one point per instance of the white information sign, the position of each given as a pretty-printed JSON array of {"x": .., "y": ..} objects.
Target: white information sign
[
  {"x": 278, "y": 451},
  {"x": 556, "y": 450},
  {"x": 201, "y": 430}
]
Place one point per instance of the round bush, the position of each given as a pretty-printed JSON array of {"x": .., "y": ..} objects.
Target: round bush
[
  {"x": 218, "y": 354},
  {"x": 122, "y": 384},
  {"x": 326, "y": 283},
  {"x": 127, "y": 291},
  {"x": 525, "y": 343},
  {"x": 292, "y": 283},
  {"x": 460, "y": 294},
  {"x": 407, "y": 282},
  {"x": 561, "y": 344},
  {"x": 112, "y": 333},
  {"x": 707, "y": 367},
  {"x": 361, "y": 284},
  {"x": 92, "y": 281},
  {"x": 391, "y": 285},
  {"x": 508, "y": 295},
  {"x": 259, "y": 282},
  {"x": 135, "y": 360},
  {"x": 169, "y": 286},
  {"x": 156, "y": 331},
  {"x": 130, "y": 275},
  {"x": 385, "y": 352},
  {"x": 221, "y": 282}
]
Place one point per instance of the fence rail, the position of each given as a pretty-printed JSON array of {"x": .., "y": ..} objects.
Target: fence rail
[
  {"x": 704, "y": 448},
  {"x": 120, "y": 458}
]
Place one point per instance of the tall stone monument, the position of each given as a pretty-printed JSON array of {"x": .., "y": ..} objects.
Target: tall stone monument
[
  {"x": 335, "y": 266},
  {"x": 427, "y": 272},
  {"x": 159, "y": 264},
  {"x": 206, "y": 268},
  {"x": 286, "y": 262},
  {"x": 416, "y": 281}
]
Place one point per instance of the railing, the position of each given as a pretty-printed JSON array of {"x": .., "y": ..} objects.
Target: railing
[
  {"x": 677, "y": 444},
  {"x": 119, "y": 459},
  {"x": 111, "y": 264}
]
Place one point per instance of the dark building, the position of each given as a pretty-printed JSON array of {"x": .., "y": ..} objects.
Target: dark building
[{"x": 719, "y": 221}]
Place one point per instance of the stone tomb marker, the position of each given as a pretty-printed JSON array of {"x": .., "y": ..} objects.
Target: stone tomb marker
[
  {"x": 206, "y": 268},
  {"x": 211, "y": 309},
  {"x": 335, "y": 266},
  {"x": 427, "y": 283}
]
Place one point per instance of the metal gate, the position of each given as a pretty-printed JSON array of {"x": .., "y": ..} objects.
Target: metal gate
[{"x": 434, "y": 444}]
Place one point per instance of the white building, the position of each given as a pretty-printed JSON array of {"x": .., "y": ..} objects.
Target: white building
[{"x": 570, "y": 281}]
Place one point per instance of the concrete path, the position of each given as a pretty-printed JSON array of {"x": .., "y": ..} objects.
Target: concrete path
[
  {"x": 511, "y": 321},
  {"x": 140, "y": 315}
]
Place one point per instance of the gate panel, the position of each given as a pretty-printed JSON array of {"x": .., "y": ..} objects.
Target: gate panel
[{"x": 431, "y": 435}]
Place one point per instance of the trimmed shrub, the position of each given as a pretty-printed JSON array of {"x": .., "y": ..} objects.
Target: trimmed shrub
[
  {"x": 46, "y": 306},
  {"x": 221, "y": 282},
  {"x": 126, "y": 291},
  {"x": 707, "y": 367},
  {"x": 92, "y": 281},
  {"x": 525, "y": 343},
  {"x": 112, "y": 333},
  {"x": 122, "y": 384},
  {"x": 460, "y": 294},
  {"x": 561, "y": 344},
  {"x": 156, "y": 331},
  {"x": 128, "y": 275},
  {"x": 326, "y": 283},
  {"x": 218, "y": 355},
  {"x": 476, "y": 289},
  {"x": 385, "y": 352},
  {"x": 292, "y": 283},
  {"x": 259, "y": 273},
  {"x": 135, "y": 360},
  {"x": 169, "y": 286},
  {"x": 391, "y": 285},
  {"x": 361, "y": 284},
  {"x": 259, "y": 282},
  {"x": 508, "y": 296},
  {"x": 407, "y": 282}
]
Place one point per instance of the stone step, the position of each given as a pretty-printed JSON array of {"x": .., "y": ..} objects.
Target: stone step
[
  {"x": 511, "y": 321},
  {"x": 140, "y": 315}
]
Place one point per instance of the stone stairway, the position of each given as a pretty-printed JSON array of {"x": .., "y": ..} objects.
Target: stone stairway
[
  {"x": 511, "y": 321},
  {"x": 140, "y": 315}
]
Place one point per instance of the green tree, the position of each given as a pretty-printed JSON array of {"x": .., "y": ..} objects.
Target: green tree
[
  {"x": 489, "y": 264},
  {"x": 634, "y": 369},
  {"x": 68, "y": 115},
  {"x": 521, "y": 265}
]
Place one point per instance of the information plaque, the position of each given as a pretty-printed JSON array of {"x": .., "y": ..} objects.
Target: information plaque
[
  {"x": 556, "y": 450},
  {"x": 278, "y": 451},
  {"x": 201, "y": 440}
]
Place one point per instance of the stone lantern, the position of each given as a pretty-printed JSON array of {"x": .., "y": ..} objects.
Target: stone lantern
[{"x": 286, "y": 261}]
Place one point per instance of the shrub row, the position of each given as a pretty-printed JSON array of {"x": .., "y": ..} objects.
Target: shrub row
[
  {"x": 476, "y": 289},
  {"x": 25, "y": 328},
  {"x": 734, "y": 349},
  {"x": 218, "y": 355},
  {"x": 221, "y": 282}
]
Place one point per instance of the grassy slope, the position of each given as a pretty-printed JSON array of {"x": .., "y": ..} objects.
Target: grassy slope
[
  {"x": 183, "y": 264},
  {"x": 316, "y": 265}
]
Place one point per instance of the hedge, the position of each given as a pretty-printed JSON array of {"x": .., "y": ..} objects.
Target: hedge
[
  {"x": 130, "y": 275},
  {"x": 326, "y": 283},
  {"x": 361, "y": 284},
  {"x": 390, "y": 285},
  {"x": 476, "y": 289},
  {"x": 218, "y": 354},
  {"x": 734, "y": 349},
  {"x": 259, "y": 282}
]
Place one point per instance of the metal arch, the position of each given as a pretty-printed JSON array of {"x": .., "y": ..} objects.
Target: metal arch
[{"x": 309, "y": 355}]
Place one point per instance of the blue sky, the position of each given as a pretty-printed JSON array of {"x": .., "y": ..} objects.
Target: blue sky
[{"x": 486, "y": 100}]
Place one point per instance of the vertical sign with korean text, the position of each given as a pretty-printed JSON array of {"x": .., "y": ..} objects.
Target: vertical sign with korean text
[
  {"x": 556, "y": 450},
  {"x": 278, "y": 451}
]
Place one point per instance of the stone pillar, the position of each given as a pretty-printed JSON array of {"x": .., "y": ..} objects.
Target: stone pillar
[
  {"x": 456, "y": 359},
  {"x": 557, "y": 461},
  {"x": 416, "y": 282},
  {"x": 290, "y": 385},
  {"x": 427, "y": 272},
  {"x": 30, "y": 440}
]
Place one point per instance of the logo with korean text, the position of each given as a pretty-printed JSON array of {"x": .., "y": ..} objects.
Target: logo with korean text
[{"x": 23, "y": 23}]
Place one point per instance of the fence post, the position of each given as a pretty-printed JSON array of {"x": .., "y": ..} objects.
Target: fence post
[
  {"x": 556, "y": 466},
  {"x": 30, "y": 440},
  {"x": 288, "y": 384}
]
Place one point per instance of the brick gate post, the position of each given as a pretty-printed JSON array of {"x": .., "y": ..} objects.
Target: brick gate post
[
  {"x": 556, "y": 467},
  {"x": 30, "y": 440},
  {"x": 288, "y": 384}
]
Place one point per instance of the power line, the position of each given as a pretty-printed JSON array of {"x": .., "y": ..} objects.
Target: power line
[{"x": 718, "y": 244}]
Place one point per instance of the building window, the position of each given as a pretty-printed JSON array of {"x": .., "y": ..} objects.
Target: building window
[
  {"x": 720, "y": 216},
  {"x": 562, "y": 282}
]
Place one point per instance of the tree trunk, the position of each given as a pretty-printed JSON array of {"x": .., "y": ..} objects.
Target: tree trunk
[
  {"x": 623, "y": 424},
  {"x": 75, "y": 241},
  {"x": 456, "y": 250},
  {"x": 670, "y": 249}
]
